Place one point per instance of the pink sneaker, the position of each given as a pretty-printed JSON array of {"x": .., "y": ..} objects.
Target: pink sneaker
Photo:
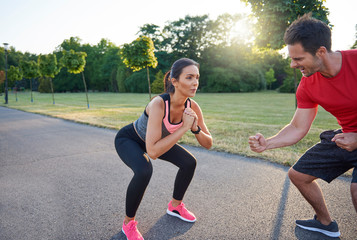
[
  {"x": 181, "y": 212},
  {"x": 131, "y": 232}
]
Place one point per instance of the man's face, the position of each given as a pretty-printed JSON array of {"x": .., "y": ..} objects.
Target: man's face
[{"x": 305, "y": 61}]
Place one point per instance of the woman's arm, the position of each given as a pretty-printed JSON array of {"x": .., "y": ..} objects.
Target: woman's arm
[{"x": 204, "y": 136}]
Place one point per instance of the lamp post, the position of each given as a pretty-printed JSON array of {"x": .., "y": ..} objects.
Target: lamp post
[{"x": 6, "y": 92}]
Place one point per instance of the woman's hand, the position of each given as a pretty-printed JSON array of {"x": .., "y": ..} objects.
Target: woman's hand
[
  {"x": 189, "y": 118},
  {"x": 192, "y": 113}
]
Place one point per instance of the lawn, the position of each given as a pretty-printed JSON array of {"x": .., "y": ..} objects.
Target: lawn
[{"x": 230, "y": 117}]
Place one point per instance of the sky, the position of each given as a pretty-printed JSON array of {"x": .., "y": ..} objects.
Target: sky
[{"x": 39, "y": 26}]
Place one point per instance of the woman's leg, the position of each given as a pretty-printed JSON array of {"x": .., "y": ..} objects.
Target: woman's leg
[
  {"x": 186, "y": 163},
  {"x": 133, "y": 155}
]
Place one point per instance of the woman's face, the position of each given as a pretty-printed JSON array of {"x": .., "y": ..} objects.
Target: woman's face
[{"x": 187, "y": 83}]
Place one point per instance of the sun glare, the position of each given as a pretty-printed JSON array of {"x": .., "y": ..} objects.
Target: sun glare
[{"x": 242, "y": 31}]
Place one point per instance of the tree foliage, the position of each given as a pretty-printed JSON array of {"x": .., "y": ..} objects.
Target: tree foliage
[
  {"x": 158, "y": 84},
  {"x": 139, "y": 54},
  {"x": 74, "y": 61},
  {"x": 14, "y": 74},
  {"x": 48, "y": 65},
  {"x": 274, "y": 16},
  {"x": 29, "y": 69},
  {"x": 269, "y": 77}
]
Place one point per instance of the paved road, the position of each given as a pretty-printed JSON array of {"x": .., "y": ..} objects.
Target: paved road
[{"x": 62, "y": 180}]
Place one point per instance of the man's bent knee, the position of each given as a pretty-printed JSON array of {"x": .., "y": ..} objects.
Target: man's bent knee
[{"x": 300, "y": 178}]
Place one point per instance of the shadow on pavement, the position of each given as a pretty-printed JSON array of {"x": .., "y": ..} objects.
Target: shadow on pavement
[
  {"x": 167, "y": 227},
  {"x": 281, "y": 209},
  {"x": 303, "y": 234}
]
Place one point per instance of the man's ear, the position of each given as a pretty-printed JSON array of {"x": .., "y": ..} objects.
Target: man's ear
[{"x": 321, "y": 51}]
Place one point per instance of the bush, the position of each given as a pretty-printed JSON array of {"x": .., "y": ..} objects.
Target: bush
[
  {"x": 222, "y": 80},
  {"x": 158, "y": 84},
  {"x": 45, "y": 85},
  {"x": 137, "y": 82}
]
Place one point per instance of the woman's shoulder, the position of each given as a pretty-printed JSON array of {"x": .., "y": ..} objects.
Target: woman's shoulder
[
  {"x": 156, "y": 102},
  {"x": 193, "y": 102}
]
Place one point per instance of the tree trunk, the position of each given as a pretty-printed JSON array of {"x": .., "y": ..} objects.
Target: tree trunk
[
  {"x": 85, "y": 87},
  {"x": 53, "y": 95},
  {"x": 31, "y": 89},
  {"x": 16, "y": 90},
  {"x": 147, "y": 70}
]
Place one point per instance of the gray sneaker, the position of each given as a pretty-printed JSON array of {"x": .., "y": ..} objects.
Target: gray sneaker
[{"x": 330, "y": 230}]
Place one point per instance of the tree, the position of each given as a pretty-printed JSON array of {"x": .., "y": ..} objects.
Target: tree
[
  {"x": 109, "y": 68},
  {"x": 30, "y": 70},
  {"x": 73, "y": 43},
  {"x": 274, "y": 16},
  {"x": 14, "y": 75},
  {"x": 158, "y": 84},
  {"x": 186, "y": 37},
  {"x": 75, "y": 63},
  {"x": 269, "y": 77},
  {"x": 140, "y": 54},
  {"x": 49, "y": 69}
]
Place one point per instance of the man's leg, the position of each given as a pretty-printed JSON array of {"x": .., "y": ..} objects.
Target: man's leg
[
  {"x": 311, "y": 191},
  {"x": 354, "y": 194}
]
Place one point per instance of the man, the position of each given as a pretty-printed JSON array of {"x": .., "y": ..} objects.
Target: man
[{"x": 329, "y": 80}]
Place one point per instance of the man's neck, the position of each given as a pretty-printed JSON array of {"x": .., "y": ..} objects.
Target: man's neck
[{"x": 332, "y": 64}]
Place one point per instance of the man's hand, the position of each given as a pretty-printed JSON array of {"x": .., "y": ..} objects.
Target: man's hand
[
  {"x": 346, "y": 141},
  {"x": 257, "y": 143}
]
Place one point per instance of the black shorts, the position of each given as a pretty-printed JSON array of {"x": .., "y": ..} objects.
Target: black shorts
[{"x": 326, "y": 160}]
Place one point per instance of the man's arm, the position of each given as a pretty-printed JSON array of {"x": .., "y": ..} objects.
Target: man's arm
[{"x": 289, "y": 135}]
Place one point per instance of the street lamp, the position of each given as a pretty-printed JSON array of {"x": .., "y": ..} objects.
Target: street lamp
[{"x": 6, "y": 93}]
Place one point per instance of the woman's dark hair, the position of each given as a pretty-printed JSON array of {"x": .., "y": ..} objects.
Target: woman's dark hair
[
  {"x": 176, "y": 71},
  {"x": 310, "y": 32}
]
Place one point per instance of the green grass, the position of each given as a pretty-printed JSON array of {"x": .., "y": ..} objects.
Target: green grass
[{"x": 230, "y": 117}]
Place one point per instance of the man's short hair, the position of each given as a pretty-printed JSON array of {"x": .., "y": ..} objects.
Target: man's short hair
[{"x": 310, "y": 32}]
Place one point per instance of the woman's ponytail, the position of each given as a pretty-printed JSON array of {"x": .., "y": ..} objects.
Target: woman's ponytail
[{"x": 168, "y": 87}]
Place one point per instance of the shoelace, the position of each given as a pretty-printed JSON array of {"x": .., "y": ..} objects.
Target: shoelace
[
  {"x": 132, "y": 227},
  {"x": 181, "y": 206}
]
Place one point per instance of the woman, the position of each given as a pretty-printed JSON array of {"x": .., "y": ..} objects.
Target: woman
[{"x": 165, "y": 120}]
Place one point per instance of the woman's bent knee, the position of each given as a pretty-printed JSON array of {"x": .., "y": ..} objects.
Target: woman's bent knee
[
  {"x": 191, "y": 163},
  {"x": 144, "y": 174}
]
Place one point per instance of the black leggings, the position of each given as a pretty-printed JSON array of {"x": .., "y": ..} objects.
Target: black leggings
[{"x": 131, "y": 149}]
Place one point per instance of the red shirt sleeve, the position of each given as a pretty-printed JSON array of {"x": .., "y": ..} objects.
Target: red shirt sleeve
[{"x": 302, "y": 95}]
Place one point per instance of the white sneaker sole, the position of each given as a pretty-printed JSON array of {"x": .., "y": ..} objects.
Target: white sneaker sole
[
  {"x": 327, "y": 233},
  {"x": 179, "y": 216}
]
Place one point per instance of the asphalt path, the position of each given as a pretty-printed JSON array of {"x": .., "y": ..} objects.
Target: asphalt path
[{"x": 63, "y": 180}]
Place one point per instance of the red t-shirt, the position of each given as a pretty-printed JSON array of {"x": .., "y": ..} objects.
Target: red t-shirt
[{"x": 337, "y": 95}]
